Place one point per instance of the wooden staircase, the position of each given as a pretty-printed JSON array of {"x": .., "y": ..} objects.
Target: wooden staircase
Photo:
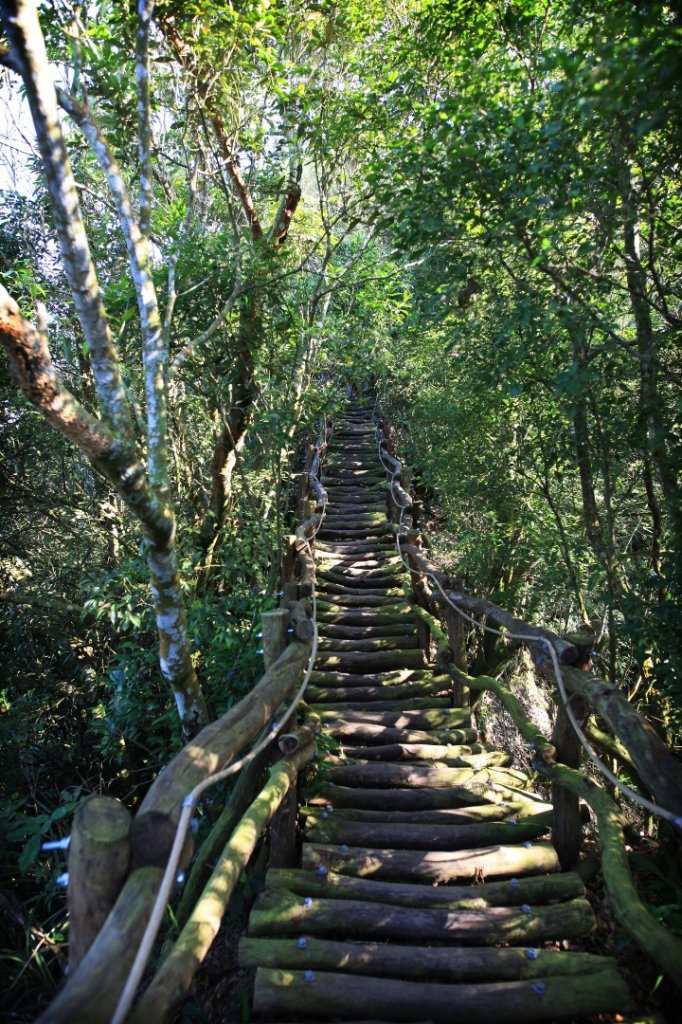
[{"x": 428, "y": 889}]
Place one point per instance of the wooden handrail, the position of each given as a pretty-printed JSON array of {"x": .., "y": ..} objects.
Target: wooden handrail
[
  {"x": 658, "y": 768},
  {"x": 654, "y": 938},
  {"x": 92, "y": 992}
]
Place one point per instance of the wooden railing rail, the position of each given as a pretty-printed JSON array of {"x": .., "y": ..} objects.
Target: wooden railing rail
[
  {"x": 558, "y": 760},
  {"x": 133, "y": 856}
]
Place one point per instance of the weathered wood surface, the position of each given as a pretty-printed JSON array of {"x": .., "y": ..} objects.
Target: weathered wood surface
[
  {"x": 567, "y": 652},
  {"x": 278, "y": 913},
  {"x": 531, "y": 889},
  {"x": 433, "y": 866},
  {"x": 99, "y": 858},
  {"x": 470, "y": 963},
  {"x": 653, "y": 937},
  {"x": 538, "y": 813},
  {"x": 423, "y": 836},
  {"x": 174, "y": 977},
  {"x": 380, "y": 736},
  {"x": 370, "y": 774},
  {"x": 328, "y": 995},
  {"x": 92, "y": 992},
  {"x": 417, "y": 832},
  {"x": 323, "y": 695},
  {"x": 656, "y": 765}
]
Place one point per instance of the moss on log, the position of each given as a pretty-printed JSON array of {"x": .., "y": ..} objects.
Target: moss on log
[
  {"x": 413, "y": 704},
  {"x": 92, "y": 992},
  {"x": 337, "y": 602},
  {"x": 368, "y": 644},
  {"x": 331, "y": 678},
  {"x": 374, "y": 694},
  {"x": 278, "y": 912},
  {"x": 413, "y": 751},
  {"x": 656, "y": 765},
  {"x": 326, "y": 995},
  {"x": 432, "y": 775},
  {"x": 421, "y": 798},
  {"x": 399, "y": 718},
  {"x": 213, "y": 747},
  {"x": 471, "y": 963},
  {"x": 435, "y": 866},
  {"x": 393, "y": 615},
  {"x": 435, "y": 629},
  {"x": 412, "y": 836},
  {"x": 243, "y": 792},
  {"x": 172, "y": 980},
  {"x": 567, "y": 653},
  {"x": 98, "y": 863},
  {"x": 531, "y": 889},
  {"x": 652, "y": 937},
  {"x": 383, "y": 736},
  {"x": 341, "y": 632},
  {"x": 540, "y": 814}
]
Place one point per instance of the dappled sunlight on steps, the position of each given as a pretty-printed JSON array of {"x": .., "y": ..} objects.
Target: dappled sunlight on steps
[{"x": 428, "y": 883}]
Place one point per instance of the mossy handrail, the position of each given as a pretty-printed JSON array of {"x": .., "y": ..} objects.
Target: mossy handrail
[
  {"x": 658, "y": 768},
  {"x": 95, "y": 991}
]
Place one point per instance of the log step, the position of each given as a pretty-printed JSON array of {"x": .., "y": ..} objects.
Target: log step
[
  {"x": 381, "y": 735},
  {"x": 434, "y": 866},
  {"x": 392, "y": 677},
  {"x": 523, "y": 811},
  {"x": 413, "y": 704},
  {"x": 374, "y": 643},
  {"x": 375, "y": 661},
  {"x": 326, "y": 613},
  {"x": 423, "y": 799},
  {"x": 327, "y": 995},
  {"x": 403, "y": 836},
  {"x": 472, "y": 963},
  {"x": 534, "y": 890},
  {"x": 393, "y": 774},
  {"x": 372, "y": 588},
  {"x": 425, "y": 717},
  {"x": 373, "y": 694},
  {"x": 340, "y": 632},
  {"x": 335, "y": 602},
  {"x": 367, "y": 581},
  {"x": 278, "y": 913},
  {"x": 428, "y": 750}
]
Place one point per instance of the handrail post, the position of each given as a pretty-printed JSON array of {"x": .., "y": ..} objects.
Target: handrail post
[
  {"x": 454, "y": 627},
  {"x": 567, "y": 828},
  {"x": 99, "y": 859},
  {"x": 275, "y": 638}
]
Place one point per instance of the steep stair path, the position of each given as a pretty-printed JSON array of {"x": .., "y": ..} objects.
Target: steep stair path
[{"x": 428, "y": 889}]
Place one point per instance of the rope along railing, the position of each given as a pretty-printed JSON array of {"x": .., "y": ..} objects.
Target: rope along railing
[
  {"x": 191, "y": 800},
  {"x": 403, "y": 502}
]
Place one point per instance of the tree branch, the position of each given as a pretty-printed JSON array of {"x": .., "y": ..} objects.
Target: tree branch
[
  {"x": 20, "y": 22},
  {"x": 145, "y": 10}
]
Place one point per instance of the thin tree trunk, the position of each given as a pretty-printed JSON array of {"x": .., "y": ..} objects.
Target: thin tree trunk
[{"x": 651, "y": 412}]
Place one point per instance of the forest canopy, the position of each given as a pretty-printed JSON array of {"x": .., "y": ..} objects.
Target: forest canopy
[{"x": 215, "y": 219}]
